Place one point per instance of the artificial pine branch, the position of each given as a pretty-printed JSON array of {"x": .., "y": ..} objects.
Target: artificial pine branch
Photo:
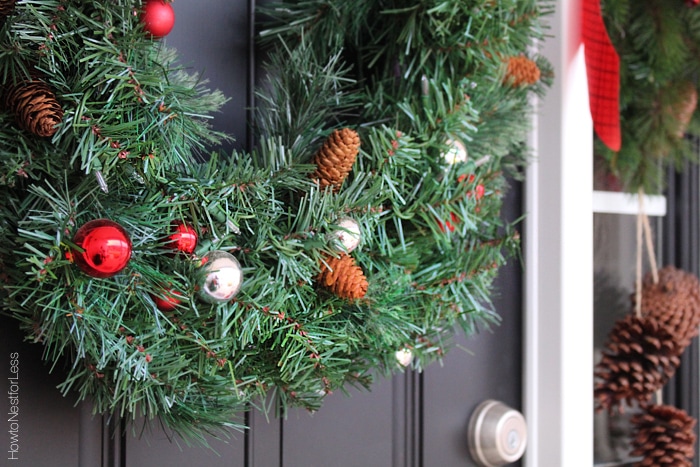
[{"x": 655, "y": 41}]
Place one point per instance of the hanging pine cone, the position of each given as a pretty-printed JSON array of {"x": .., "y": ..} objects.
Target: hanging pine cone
[
  {"x": 335, "y": 158},
  {"x": 674, "y": 302},
  {"x": 640, "y": 356},
  {"x": 664, "y": 437},
  {"x": 6, "y": 8},
  {"x": 682, "y": 109},
  {"x": 35, "y": 107},
  {"x": 343, "y": 277},
  {"x": 521, "y": 71}
]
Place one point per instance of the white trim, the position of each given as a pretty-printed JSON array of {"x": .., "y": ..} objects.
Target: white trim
[
  {"x": 610, "y": 202},
  {"x": 558, "y": 380}
]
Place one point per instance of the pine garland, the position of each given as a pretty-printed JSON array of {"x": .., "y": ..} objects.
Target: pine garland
[
  {"x": 657, "y": 41},
  {"x": 407, "y": 81}
]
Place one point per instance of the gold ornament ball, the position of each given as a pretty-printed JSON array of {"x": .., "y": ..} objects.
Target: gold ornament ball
[
  {"x": 220, "y": 278},
  {"x": 456, "y": 153},
  {"x": 347, "y": 234}
]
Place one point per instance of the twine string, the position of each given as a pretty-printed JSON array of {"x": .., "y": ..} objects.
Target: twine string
[
  {"x": 650, "y": 248},
  {"x": 640, "y": 242},
  {"x": 644, "y": 238}
]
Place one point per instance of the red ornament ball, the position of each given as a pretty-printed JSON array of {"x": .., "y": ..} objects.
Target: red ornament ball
[
  {"x": 167, "y": 301},
  {"x": 183, "y": 239},
  {"x": 158, "y": 17},
  {"x": 104, "y": 248}
]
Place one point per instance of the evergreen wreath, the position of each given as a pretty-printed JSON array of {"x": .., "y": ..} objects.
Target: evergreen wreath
[{"x": 391, "y": 124}]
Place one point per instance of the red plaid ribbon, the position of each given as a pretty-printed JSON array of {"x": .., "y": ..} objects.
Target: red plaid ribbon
[{"x": 603, "y": 70}]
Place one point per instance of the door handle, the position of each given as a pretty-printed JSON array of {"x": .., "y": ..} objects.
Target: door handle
[{"x": 497, "y": 434}]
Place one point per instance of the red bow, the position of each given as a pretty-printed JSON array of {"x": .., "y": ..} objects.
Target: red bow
[{"x": 603, "y": 70}]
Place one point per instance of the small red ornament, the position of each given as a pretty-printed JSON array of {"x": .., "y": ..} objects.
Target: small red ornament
[
  {"x": 167, "y": 301},
  {"x": 450, "y": 226},
  {"x": 183, "y": 239},
  {"x": 158, "y": 17},
  {"x": 692, "y": 3},
  {"x": 106, "y": 248}
]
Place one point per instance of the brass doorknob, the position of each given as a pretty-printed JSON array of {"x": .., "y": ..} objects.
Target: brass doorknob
[{"x": 497, "y": 434}]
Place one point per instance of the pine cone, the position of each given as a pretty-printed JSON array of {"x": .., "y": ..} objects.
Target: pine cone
[
  {"x": 343, "y": 277},
  {"x": 335, "y": 158},
  {"x": 674, "y": 302},
  {"x": 664, "y": 436},
  {"x": 7, "y": 7},
  {"x": 521, "y": 71},
  {"x": 640, "y": 356},
  {"x": 35, "y": 107},
  {"x": 684, "y": 107}
]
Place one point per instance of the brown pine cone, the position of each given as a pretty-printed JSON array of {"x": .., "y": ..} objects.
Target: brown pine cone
[
  {"x": 7, "y": 7},
  {"x": 664, "y": 436},
  {"x": 640, "y": 357},
  {"x": 343, "y": 277},
  {"x": 35, "y": 107},
  {"x": 521, "y": 71},
  {"x": 335, "y": 158},
  {"x": 685, "y": 107},
  {"x": 674, "y": 302}
]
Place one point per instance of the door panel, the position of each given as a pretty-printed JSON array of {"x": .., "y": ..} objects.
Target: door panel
[
  {"x": 155, "y": 448},
  {"x": 44, "y": 421},
  {"x": 489, "y": 367},
  {"x": 212, "y": 38},
  {"x": 355, "y": 431}
]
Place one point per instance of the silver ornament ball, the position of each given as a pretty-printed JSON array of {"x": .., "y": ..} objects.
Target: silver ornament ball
[
  {"x": 404, "y": 357},
  {"x": 347, "y": 234},
  {"x": 456, "y": 153},
  {"x": 220, "y": 277}
]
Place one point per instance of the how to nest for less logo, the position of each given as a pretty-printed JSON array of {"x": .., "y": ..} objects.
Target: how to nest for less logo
[{"x": 13, "y": 410}]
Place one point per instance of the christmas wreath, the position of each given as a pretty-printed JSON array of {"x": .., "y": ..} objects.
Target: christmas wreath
[{"x": 169, "y": 280}]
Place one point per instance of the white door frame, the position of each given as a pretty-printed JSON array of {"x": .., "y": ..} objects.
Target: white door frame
[{"x": 558, "y": 360}]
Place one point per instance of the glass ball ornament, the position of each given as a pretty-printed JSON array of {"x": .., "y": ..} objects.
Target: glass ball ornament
[
  {"x": 104, "y": 248},
  {"x": 404, "y": 357},
  {"x": 183, "y": 238},
  {"x": 158, "y": 17},
  {"x": 167, "y": 300},
  {"x": 347, "y": 234},
  {"x": 456, "y": 152},
  {"x": 220, "y": 277}
]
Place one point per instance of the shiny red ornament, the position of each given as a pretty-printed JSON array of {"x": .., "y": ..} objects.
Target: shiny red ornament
[
  {"x": 183, "y": 239},
  {"x": 104, "y": 248},
  {"x": 158, "y": 17},
  {"x": 692, "y": 3},
  {"x": 167, "y": 301}
]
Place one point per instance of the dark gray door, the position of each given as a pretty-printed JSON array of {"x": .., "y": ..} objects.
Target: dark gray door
[{"x": 409, "y": 420}]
